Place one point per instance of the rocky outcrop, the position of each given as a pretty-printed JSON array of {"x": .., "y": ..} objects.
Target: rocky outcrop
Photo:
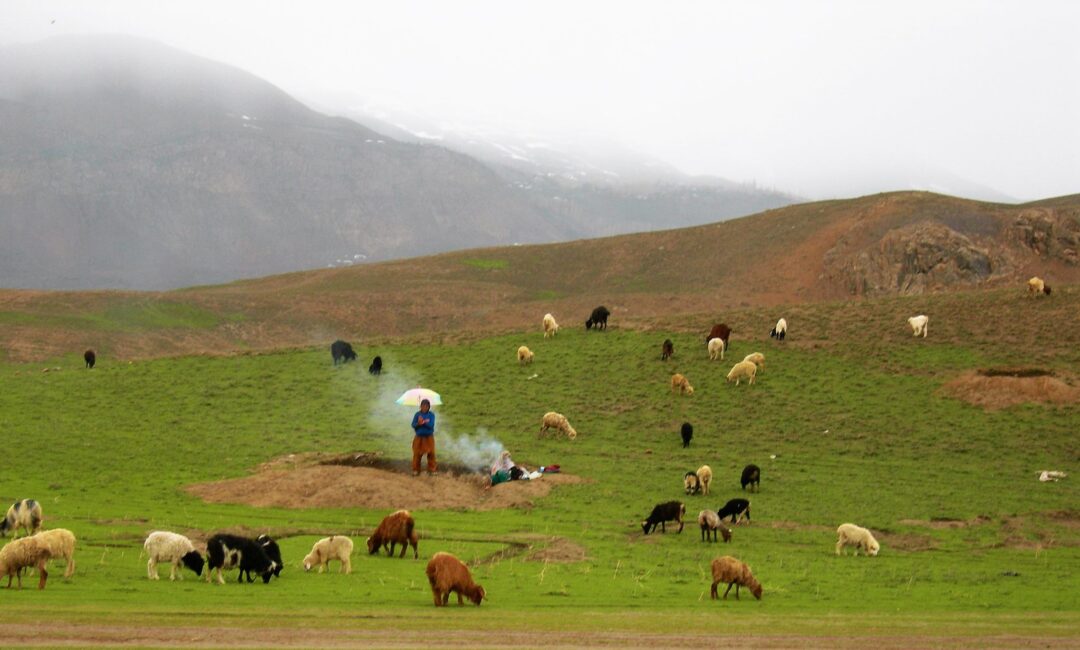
[{"x": 1050, "y": 234}]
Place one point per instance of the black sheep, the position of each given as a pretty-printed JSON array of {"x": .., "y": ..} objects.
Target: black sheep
[
  {"x": 598, "y": 319},
  {"x": 687, "y": 434},
  {"x": 751, "y": 475},
  {"x": 224, "y": 551},
  {"x": 90, "y": 358},
  {"x": 667, "y": 350},
  {"x": 376, "y": 366},
  {"x": 272, "y": 552},
  {"x": 664, "y": 512},
  {"x": 342, "y": 351},
  {"x": 735, "y": 508}
]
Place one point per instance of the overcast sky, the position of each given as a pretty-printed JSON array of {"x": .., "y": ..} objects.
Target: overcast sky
[{"x": 806, "y": 97}]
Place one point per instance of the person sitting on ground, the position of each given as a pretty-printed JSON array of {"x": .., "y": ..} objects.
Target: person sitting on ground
[{"x": 501, "y": 468}]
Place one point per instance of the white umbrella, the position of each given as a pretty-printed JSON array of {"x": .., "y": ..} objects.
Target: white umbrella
[{"x": 414, "y": 396}]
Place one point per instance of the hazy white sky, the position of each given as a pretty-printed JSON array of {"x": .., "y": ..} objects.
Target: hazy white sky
[{"x": 801, "y": 96}]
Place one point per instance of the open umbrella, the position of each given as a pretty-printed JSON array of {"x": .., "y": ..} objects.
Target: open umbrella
[{"x": 413, "y": 396}]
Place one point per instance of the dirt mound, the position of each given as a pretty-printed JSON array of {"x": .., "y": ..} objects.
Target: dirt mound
[
  {"x": 997, "y": 388},
  {"x": 366, "y": 480}
]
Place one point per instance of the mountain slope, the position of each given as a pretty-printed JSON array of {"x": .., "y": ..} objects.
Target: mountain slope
[{"x": 913, "y": 244}]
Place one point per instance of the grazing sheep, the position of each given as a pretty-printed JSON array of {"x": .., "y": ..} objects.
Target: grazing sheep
[
  {"x": 716, "y": 349},
  {"x": 742, "y": 370},
  {"x": 395, "y": 528},
  {"x": 90, "y": 358},
  {"x": 21, "y": 553},
  {"x": 918, "y": 324},
  {"x": 780, "y": 330},
  {"x": 756, "y": 358},
  {"x": 335, "y": 547},
  {"x": 736, "y": 509},
  {"x": 751, "y": 475},
  {"x": 662, "y": 513},
  {"x": 667, "y": 350},
  {"x": 722, "y": 332},
  {"x": 732, "y": 572},
  {"x": 857, "y": 536},
  {"x": 342, "y": 352},
  {"x": 557, "y": 421},
  {"x": 691, "y": 483},
  {"x": 710, "y": 523},
  {"x": 681, "y": 384},
  {"x": 687, "y": 433},
  {"x": 598, "y": 319},
  {"x": 1037, "y": 287},
  {"x": 60, "y": 542},
  {"x": 704, "y": 475},
  {"x": 525, "y": 355},
  {"x": 376, "y": 366},
  {"x": 25, "y": 514},
  {"x": 224, "y": 551},
  {"x": 164, "y": 546},
  {"x": 448, "y": 574},
  {"x": 551, "y": 328},
  {"x": 273, "y": 551}
]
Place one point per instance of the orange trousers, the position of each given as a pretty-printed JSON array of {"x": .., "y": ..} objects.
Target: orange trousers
[{"x": 423, "y": 445}]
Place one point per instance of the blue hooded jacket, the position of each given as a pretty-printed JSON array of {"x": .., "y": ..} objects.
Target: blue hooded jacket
[{"x": 426, "y": 429}]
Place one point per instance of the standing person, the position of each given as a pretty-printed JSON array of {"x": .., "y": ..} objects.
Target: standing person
[{"x": 423, "y": 423}]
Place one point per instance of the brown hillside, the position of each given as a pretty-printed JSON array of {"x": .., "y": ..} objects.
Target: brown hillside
[{"x": 886, "y": 244}]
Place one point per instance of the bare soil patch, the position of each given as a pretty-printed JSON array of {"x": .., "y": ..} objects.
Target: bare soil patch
[
  {"x": 367, "y": 480},
  {"x": 944, "y": 523},
  {"x": 559, "y": 550},
  {"x": 997, "y": 388}
]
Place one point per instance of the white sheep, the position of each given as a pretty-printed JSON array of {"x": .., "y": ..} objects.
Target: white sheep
[
  {"x": 857, "y": 536},
  {"x": 756, "y": 358},
  {"x": 1037, "y": 287},
  {"x": 557, "y": 421},
  {"x": 716, "y": 349},
  {"x": 335, "y": 547},
  {"x": 918, "y": 324},
  {"x": 551, "y": 328},
  {"x": 780, "y": 331},
  {"x": 524, "y": 355},
  {"x": 742, "y": 370},
  {"x": 60, "y": 542},
  {"x": 163, "y": 546}
]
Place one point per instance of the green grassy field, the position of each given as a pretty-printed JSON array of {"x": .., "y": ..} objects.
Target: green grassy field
[{"x": 972, "y": 544}]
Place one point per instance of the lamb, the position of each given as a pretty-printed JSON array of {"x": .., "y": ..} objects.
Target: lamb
[
  {"x": 1037, "y": 287},
  {"x": 164, "y": 546},
  {"x": 709, "y": 522},
  {"x": 720, "y": 331},
  {"x": 224, "y": 551},
  {"x": 687, "y": 433},
  {"x": 90, "y": 358},
  {"x": 667, "y": 350},
  {"x": 273, "y": 552},
  {"x": 448, "y": 574},
  {"x": 395, "y": 528},
  {"x": 60, "y": 542},
  {"x": 734, "y": 573},
  {"x": 756, "y": 358},
  {"x": 857, "y": 536},
  {"x": 335, "y": 547},
  {"x": 557, "y": 421},
  {"x": 751, "y": 475},
  {"x": 716, "y": 349},
  {"x": 662, "y": 513},
  {"x": 525, "y": 355},
  {"x": 25, "y": 514},
  {"x": 598, "y": 318},
  {"x": 681, "y": 384},
  {"x": 742, "y": 370},
  {"x": 551, "y": 328},
  {"x": 918, "y": 324},
  {"x": 21, "y": 553},
  {"x": 780, "y": 330},
  {"x": 735, "y": 508}
]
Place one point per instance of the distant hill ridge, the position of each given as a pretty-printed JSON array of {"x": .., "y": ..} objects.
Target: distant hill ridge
[
  {"x": 906, "y": 243},
  {"x": 128, "y": 164}
]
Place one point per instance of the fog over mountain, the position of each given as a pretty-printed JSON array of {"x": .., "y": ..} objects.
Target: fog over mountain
[{"x": 128, "y": 164}]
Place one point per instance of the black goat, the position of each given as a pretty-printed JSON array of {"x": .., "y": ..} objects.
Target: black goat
[
  {"x": 224, "y": 551},
  {"x": 598, "y": 319},
  {"x": 735, "y": 508},
  {"x": 273, "y": 552},
  {"x": 342, "y": 351},
  {"x": 664, "y": 512},
  {"x": 376, "y": 366},
  {"x": 687, "y": 434},
  {"x": 90, "y": 358},
  {"x": 751, "y": 475}
]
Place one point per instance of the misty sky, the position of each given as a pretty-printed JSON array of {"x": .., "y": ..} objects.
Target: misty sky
[{"x": 807, "y": 97}]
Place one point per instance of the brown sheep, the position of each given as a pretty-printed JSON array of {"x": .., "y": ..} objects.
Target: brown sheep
[
  {"x": 22, "y": 553},
  {"x": 395, "y": 528},
  {"x": 448, "y": 574},
  {"x": 733, "y": 572},
  {"x": 681, "y": 384}
]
